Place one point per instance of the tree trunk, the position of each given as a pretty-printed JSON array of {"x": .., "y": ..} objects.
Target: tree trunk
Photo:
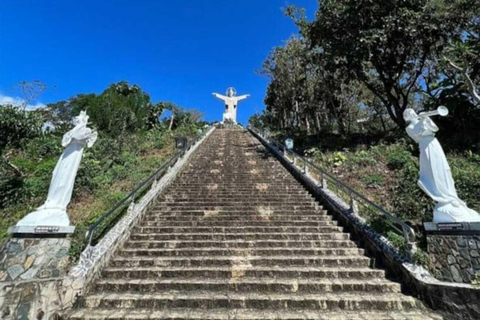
[
  {"x": 13, "y": 167},
  {"x": 171, "y": 121}
]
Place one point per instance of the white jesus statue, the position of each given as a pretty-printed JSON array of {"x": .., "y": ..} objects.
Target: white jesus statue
[
  {"x": 231, "y": 101},
  {"x": 53, "y": 212},
  {"x": 435, "y": 175}
]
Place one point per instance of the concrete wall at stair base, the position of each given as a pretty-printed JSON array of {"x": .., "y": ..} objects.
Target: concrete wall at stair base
[
  {"x": 460, "y": 301},
  {"x": 51, "y": 298}
]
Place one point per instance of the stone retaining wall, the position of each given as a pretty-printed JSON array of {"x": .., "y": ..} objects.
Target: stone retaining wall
[
  {"x": 454, "y": 258},
  {"x": 29, "y": 258}
]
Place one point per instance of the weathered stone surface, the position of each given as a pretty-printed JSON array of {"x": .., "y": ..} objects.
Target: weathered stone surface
[
  {"x": 49, "y": 256},
  {"x": 450, "y": 264},
  {"x": 28, "y": 263},
  {"x": 15, "y": 271}
]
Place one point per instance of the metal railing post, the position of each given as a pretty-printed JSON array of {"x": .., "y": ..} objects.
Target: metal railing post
[
  {"x": 324, "y": 182},
  {"x": 353, "y": 204}
]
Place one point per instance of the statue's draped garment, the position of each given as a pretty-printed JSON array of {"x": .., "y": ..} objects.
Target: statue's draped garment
[
  {"x": 436, "y": 176},
  {"x": 54, "y": 211}
]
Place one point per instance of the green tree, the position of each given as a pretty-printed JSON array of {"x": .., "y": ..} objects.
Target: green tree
[
  {"x": 385, "y": 44},
  {"x": 17, "y": 125}
]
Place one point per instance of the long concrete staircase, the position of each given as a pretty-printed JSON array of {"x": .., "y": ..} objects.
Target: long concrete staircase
[{"x": 237, "y": 237}]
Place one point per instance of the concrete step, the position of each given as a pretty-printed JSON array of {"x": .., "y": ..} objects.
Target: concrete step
[
  {"x": 239, "y": 261},
  {"x": 171, "y": 244},
  {"x": 207, "y": 251},
  {"x": 241, "y": 236},
  {"x": 235, "y": 188},
  {"x": 241, "y": 229},
  {"x": 206, "y": 299},
  {"x": 257, "y": 190},
  {"x": 243, "y": 284},
  {"x": 291, "y": 186},
  {"x": 227, "y": 272},
  {"x": 237, "y": 218},
  {"x": 230, "y": 223},
  {"x": 216, "y": 201},
  {"x": 247, "y": 314},
  {"x": 247, "y": 173},
  {"x": 229, "y": 207},
  {"x": 260, "y": 193},
  {"x": 226, "y": 213}
]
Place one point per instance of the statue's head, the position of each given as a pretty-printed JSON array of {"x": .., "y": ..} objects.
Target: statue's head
[
  {"x": 82, "y": 118},
  {"x": 409, "y": 115},
  {"x": 231, "y": 92}
]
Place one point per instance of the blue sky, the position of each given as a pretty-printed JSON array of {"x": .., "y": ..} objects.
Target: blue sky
[{"x": 179, "y": 51}]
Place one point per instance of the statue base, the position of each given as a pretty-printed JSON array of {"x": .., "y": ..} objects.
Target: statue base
[
  {"x": 28, "y": 256},
  {"x": 454, "y": 250},
  {"x": 454, "y": 212},
  {"x": 39, "y": 231},
  {"x": 33, "y": 267},
  {"x": 46, "y": 216}
]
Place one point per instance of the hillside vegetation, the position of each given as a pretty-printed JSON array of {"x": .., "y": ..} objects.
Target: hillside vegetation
[{"x": 133, "y": 142}]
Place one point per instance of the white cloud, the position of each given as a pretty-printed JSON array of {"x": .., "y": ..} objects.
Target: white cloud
[{"x": 16, "y": 101}]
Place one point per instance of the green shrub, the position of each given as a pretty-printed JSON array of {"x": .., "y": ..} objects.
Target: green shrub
[
  {"x": 153, "y": 139},
  {"x": 90, "y": 174},
  {"x": 18, "y": 125},
  {"x": 374, "y": 180},
  {"x": 37, "y": 183},
  {"x": 47, "y": 145},
  {"x": 363, "y": 158},
  {"x": 398, "y": 241},
  {"x": 398, "y": 159},
  {"x": 10, "y": 188},
  {"x": 379, "y": 224},
  {"x": 420, "y": 257},
  {"x": 409, "y": 201},
  {"x": 313, "y": 153},
  {"x": 337, "y": 159},
  {"x": 476, "y": 280},
  {"x": 466, "y": 174}
]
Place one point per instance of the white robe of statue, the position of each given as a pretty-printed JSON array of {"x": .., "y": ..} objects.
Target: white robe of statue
[
  {"x": 54, "y": 211},
  {"x": 435, "y": 175}
]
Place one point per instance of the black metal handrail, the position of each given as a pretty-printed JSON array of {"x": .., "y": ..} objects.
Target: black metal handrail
[
  {"x": 123, "y": 203},
  {"x": 407, "y": 231}
]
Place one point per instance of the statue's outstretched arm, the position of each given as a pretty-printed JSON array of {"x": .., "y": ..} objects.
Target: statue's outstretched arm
[
  {"x": 219, "y": 96},
  {"x": 245, "y": 96}
]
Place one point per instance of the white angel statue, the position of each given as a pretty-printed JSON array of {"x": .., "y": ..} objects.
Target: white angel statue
[
  {"x": 54, "y": 211},
  {"x": 435, "y": 175}
]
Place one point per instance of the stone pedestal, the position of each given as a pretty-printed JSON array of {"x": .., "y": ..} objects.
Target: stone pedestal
[
  {"x": 32, "y": 271},
  {"x": 454, "y": 250},
  {"x": 34, "y": 258}
]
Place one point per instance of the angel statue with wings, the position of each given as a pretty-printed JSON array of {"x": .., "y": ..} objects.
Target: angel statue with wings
[{"x": 435, "y": 175}]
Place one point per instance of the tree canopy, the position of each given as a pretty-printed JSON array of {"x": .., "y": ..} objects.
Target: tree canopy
[{"x": 360, "y": 63}]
